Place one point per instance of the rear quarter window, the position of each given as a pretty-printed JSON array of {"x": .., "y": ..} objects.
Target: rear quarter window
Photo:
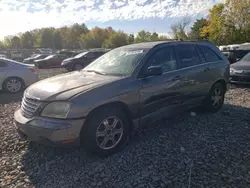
[{"x": 209, "y": 54}]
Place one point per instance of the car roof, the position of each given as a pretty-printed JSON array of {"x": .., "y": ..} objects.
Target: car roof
[{"x": 149, "y": 45}]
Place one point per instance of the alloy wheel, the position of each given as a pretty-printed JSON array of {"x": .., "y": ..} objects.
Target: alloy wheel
[
  {"x": 14, "y": 85},
  {"x": 217, "y": 97},
  {"x": 109, "y": 133}
]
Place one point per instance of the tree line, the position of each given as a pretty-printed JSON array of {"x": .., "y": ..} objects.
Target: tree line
[
  {"x": 77, "y": 36},
  {"x": 227, "y": 23}
]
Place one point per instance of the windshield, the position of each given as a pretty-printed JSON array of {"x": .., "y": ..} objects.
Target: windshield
[
  {"x": 50, "y": 56},
  {"x": 81, "y": 55},
  {"x": 118, "y": 62},
  {"x": 246, "y": 57}
]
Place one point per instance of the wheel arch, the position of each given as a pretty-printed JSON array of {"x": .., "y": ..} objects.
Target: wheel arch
[
  {"x": 222, "y": 82},
  {"x": 16, "y": 77},
  {"x": 115, "y": 104}
]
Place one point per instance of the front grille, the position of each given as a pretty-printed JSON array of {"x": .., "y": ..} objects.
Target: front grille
[
  {"x": 29, "y": 106},
  {"x": 240, "y": 78}
]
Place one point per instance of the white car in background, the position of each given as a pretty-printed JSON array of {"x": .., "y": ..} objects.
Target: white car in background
[
  {"x": 14, "y": 76},
  {"x": 3, "y": 56}
]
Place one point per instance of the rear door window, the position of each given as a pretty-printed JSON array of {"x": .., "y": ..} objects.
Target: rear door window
[
  {"x": 209, "y": 54},
  {"x": 188, "y": 55}
]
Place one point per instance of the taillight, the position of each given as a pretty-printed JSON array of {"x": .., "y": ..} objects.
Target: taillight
[{"x": 34, "y": 69}]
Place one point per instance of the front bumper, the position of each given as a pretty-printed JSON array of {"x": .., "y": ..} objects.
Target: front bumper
[
  {"x": 240, "y": 79},
  {"x": 68, "y": 66},
  {"x": 63, "y": 133}
]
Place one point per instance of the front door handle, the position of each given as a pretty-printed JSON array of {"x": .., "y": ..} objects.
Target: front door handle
[
  {"x": 206, "y": 69},
  {"x": 176, "y": 78}
]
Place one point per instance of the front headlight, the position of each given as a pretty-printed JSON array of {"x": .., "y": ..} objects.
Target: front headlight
[
  {"x": 65, "y": 62},
  {"x": 231, "y": 70},
  {"x": 56, "y": 110}
]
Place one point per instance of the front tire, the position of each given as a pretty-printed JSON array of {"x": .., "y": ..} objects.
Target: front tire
[
  {"x": 215, "y": 98},
  {"x": 106, "y": 131},
  {"x": 13, "y": 85}
]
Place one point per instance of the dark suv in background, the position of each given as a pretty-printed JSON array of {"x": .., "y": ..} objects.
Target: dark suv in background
[
  {"x": 127, "y": 87},
  {"x": 235, "y": 55},
  {"x": 81, "y": 60}
]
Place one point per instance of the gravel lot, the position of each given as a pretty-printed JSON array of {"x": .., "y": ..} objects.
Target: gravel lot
[{"x": 206, "y": 150}]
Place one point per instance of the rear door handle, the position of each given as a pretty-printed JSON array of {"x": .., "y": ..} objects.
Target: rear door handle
[
  {"x": 206, "y": 69},
  {"x": 176, "y": 78}
]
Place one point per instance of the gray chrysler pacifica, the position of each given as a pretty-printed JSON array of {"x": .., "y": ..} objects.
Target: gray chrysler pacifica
[{"x": 100, "y": 105}]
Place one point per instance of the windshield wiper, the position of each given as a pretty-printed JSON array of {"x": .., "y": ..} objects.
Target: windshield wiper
[{"x": 97, "y": 72}]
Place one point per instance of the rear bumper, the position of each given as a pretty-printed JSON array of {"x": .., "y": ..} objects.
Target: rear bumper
[{"x": 47, "y": 131}]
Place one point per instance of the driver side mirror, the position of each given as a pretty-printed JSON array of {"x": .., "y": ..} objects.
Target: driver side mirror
[{"x": 154, "y": 71}]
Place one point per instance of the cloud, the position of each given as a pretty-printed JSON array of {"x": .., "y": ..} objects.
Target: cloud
[{"x": 25, "y": 15}]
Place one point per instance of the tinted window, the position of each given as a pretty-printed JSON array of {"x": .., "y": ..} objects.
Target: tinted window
[
  {"x": 97, "y": 54},
  {"x": 3, "y": 64},
  {"x": 188, "y": 55},
  {"x": 91, "y": 55},
  {"x": 202, "y": 58},
  {"x": 210, "y": 56},
  {"x": 165, "y": 58},
  {"x": 62, "y": 56}
]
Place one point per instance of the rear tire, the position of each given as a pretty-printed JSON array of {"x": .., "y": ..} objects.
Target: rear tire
[
  {"x": 215, "y": 99},
  {"x": 13, "y": 85},
  {"x": 106, "y": 131}
]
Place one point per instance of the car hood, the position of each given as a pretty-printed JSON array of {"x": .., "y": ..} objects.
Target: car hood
[
  {"x": 70, "y": 59},
  {"x": 29, "y": 58},
  {"x": 39, "y": 60},
  {"x": 65, "y": 86},
  {"x": 241, "y": 65}
]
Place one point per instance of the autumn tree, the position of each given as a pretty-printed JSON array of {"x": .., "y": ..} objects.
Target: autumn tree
[
  {"x": 237, "y": 20},
  {"x": 57, "y": 40},
  {"x": 45, "y": 40},
  {"x": 1, "y": 45},
  {"x": 116, "y": 39},
  {"x": 15, "y": 42},
  {"x": 214, "y": 29},
  {"x": 95, "y": 37},
  {"x": 195, "y": 33},
  {"x": 179, "y": 29},
  {"x": 143, "y": 36},
  {"x": 27, "y": 40},
  {"x": 131, "y": 38}
]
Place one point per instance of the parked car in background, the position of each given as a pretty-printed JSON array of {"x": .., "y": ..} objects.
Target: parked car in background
[
  {"x": 30, "y": 60},
  {"x": 123, "y": 89},
  {"x": 3, "y": 56},
  {"x": 240, "y": 71},
  {"x": 51, "y": 61},
  {"x": 81, "y": 60},
  {"x": 14, "y": 76},
  {"x": 45, "y": 50},
  {"x": 15, "y": 55},
  {"x": 68, "y": 53},
  {"x": 236, "y": 55}
]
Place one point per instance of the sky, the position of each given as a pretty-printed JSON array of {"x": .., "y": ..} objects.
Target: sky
[{"x": 130, "y": 16}]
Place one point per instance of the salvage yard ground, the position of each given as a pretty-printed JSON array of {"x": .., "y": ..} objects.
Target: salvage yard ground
[{"x": 206, "y": 150}]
